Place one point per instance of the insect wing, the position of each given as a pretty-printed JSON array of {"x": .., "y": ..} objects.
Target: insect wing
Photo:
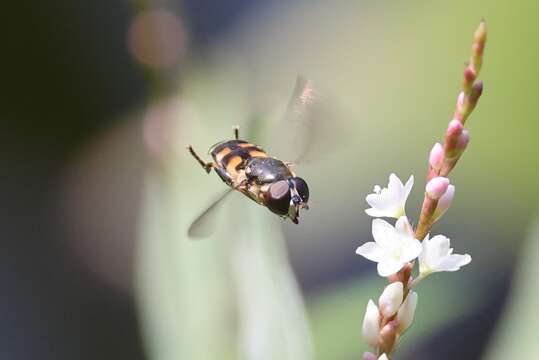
[
  {"x": 204, "y": 224},
  {"x": 305, "y": 123}
]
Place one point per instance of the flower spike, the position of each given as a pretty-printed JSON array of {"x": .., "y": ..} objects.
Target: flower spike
[{"x": 395, "y": 248}]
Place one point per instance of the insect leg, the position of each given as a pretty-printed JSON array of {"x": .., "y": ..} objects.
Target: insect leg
[
  {"x": 236, "y": 129},
  {"x": 206, "y": 165}
]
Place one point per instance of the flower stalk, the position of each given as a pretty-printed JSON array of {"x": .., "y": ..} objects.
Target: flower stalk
[{"x": 396, "y": 248}]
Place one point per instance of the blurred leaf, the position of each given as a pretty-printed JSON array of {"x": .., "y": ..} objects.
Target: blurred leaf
[
  {"x": 273, "y": 321},
  {"x": 184, "y": 298},
  {"x": 516, "y": 335}
]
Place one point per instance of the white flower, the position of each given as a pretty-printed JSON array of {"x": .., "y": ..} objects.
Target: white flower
[
  {"x": 438, "y": 256},
  {"x": 383, "y": 357},
  {"x": 393, "y": 247},
  {"x": 390, "y": 201},
  {"x": 391, "y": 299},
  {"x": 371, "y": 324},
  {"x": 405, "y": 316}
]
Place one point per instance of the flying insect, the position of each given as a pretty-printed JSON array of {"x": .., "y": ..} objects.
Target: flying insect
[{"x": 247, "y": 168}]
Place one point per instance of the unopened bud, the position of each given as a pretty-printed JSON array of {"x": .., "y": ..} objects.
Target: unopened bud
[
  {"x": 436, "y": 156},
  {"x": 405, "y": 316},
  {"x": 469, "y": 78},
  {"x": 463, "y": 140},
  {"x": 444, "y": 202},
  {"x": 388, "y": 335},
  {"x": 436, "y": 187},
  {"x": 369, "y": 356},
  {"x": 477, "y": 90},
  {"x": 460, "y": 100},
  {"x": 480, "y": 38},
  {"x": 454, "y": 128},
  {"x": 391, "y": 299},
  {"x": 480, "y": 34},
  {"x": 371, "y": 324}
]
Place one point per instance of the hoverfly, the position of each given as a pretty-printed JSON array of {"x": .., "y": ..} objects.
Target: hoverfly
[{"x": 247, "y": 168}]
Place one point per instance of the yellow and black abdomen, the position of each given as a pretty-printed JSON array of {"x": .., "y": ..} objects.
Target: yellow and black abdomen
[{"x": 230, "y": 157}]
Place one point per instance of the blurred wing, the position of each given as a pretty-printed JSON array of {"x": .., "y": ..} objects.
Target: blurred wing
[
  {"x": 307, "y": 129},
  {"x": 298, "y": 119},
  {"x": 204, "y": 224}
]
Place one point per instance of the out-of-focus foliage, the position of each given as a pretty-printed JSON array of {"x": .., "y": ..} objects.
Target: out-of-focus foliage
[{"x": 516, "y": 336}]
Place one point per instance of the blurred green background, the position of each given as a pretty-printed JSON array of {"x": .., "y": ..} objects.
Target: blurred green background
[{"x": 98, "y": 190}]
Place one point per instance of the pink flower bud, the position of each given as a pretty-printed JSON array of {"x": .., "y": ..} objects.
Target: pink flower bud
[
  {"x": 436, "y": 187},
  {"x": 460, "y": 100},
  {"x": 391, "y": 299},
  {"x": 369, "y": 356},
  {"x": 454, "y": 128},
  {"x": 469, "y": 74},
  {"x": 477, "y": 90},
  {"x": 464, "y": 139},
  {"x": 436, "y": 156},
  {"x": 445, "y": 202}
]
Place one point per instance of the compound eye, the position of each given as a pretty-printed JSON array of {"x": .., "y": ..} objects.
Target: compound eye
[
  {"x": 302, "y": 188},
  {"x": 278, "y": 197}
]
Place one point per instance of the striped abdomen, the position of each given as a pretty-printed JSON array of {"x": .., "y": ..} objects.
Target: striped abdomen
[{"x": 232, "y": 155}]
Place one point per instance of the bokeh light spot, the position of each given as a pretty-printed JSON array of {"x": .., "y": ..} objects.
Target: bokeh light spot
[{"x": 157, "y": 38}]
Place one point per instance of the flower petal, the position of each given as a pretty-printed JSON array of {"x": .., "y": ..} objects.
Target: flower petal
[
  {"x": 411, "y": 248},
  {"x": 383, "y": 233},
  {"x": 454, "y": 262},
  {"x": 437, "y": 249},
  {"x": 395, "y": 186},
  {"x": 371, "y": 251},
  {"x": 403, "y": 226},
  {"x": 374, "y": 212},
  {"x": 382, "y": 202},
  {"x": 388, "y": 267},
  {"x": 408, "y": 187}
]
